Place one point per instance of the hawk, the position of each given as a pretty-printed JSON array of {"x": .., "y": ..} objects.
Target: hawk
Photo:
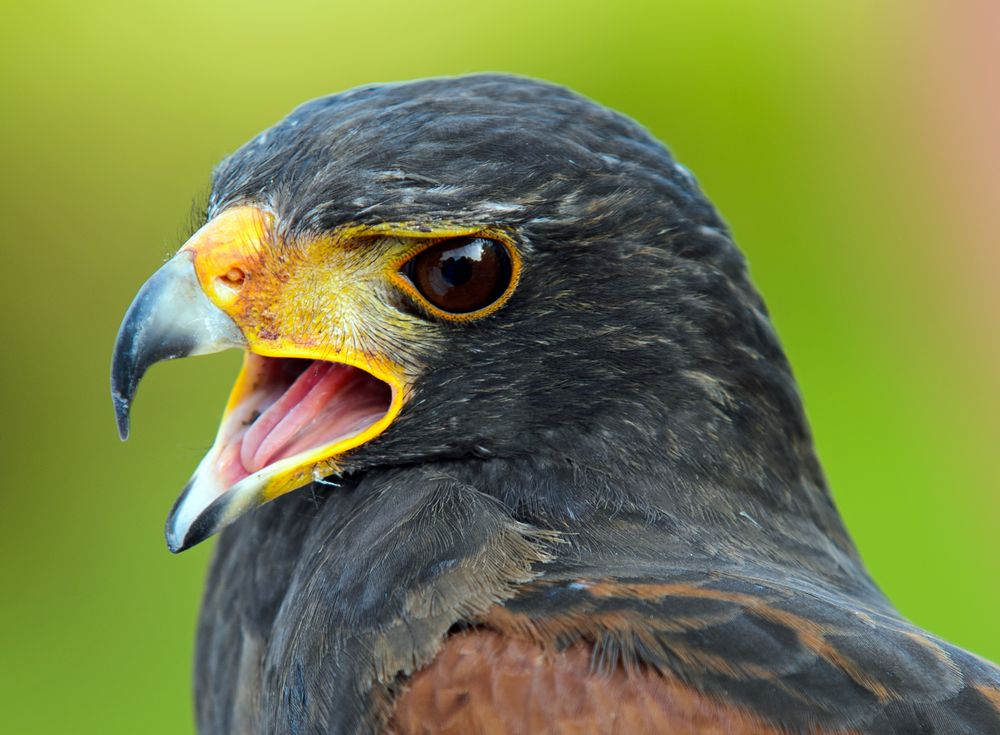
[{"x": 514, "y": 448}]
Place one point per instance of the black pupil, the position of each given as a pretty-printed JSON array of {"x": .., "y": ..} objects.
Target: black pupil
[
  {"x": 457, "y": 268},
  {"x": 461, "y": 275}
]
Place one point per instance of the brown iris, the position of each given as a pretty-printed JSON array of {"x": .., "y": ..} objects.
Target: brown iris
[{"x": 461, "y": 275}]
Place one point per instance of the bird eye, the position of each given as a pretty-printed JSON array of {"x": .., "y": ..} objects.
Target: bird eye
[{"x": 461, "y": 275}]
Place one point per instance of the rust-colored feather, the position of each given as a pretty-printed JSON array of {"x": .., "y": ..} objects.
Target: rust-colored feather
[{"x": 486, "y": 683}]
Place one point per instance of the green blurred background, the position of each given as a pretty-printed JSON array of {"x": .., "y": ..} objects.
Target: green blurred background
[{"x": 848, "y": 143}]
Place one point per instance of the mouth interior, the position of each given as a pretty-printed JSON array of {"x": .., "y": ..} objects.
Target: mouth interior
[{"x": 293, "y": 406}]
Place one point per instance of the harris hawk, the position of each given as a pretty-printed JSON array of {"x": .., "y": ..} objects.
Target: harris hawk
[{"x": 551, "y": 469}]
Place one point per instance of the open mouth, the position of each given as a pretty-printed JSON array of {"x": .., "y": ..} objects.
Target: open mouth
[
  {"x": 287, "y": 422},
  {"x": 286, "y": 408}
]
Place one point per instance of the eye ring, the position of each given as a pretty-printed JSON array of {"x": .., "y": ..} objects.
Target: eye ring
[{"x": 461, "y": 278}]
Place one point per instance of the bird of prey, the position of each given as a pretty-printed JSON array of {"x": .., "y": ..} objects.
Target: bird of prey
[{"x": 514, "y": 447}]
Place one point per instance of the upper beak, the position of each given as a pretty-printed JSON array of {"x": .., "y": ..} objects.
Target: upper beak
[{"x": 170, "y": 317}]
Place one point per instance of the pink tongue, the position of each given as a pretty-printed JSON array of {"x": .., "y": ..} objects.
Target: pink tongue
[{"x": 299, "y": 405}]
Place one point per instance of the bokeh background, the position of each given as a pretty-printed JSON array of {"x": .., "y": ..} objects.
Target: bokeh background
[{"x": 850, "y": 143}]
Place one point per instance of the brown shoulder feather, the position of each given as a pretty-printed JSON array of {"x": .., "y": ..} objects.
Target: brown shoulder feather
[{"x": 486, "y": 683}]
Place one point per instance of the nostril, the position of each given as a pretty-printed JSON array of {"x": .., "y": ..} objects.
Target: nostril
[{"x": 234, "y": 277}]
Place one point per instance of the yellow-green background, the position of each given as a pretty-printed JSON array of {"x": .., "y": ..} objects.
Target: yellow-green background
[{"x": 820, "y": 129}]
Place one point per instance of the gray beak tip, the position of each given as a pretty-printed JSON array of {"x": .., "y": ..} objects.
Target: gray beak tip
[{"x": 121, "y": 413}]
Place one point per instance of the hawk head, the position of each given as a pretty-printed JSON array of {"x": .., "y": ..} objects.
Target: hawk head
[{"x": 467, "y": 269}]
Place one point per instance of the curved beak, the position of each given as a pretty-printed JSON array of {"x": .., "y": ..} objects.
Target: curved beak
[{"x": 170, "y": 317}]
